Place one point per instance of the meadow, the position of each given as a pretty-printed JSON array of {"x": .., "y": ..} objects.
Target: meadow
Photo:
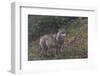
[{"x": 75, "y": 43}]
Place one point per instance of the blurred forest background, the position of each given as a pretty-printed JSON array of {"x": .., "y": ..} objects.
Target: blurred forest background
[{"x": 76, "y": 40}]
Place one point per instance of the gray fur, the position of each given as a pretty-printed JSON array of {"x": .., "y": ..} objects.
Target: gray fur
[{"x": 50, "y": 41}]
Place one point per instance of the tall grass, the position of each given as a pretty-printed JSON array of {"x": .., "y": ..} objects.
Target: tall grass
[{"x": 75, "y": 47}]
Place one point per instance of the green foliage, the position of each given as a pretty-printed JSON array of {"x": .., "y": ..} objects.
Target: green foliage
[{"x": 75, "y": 40}]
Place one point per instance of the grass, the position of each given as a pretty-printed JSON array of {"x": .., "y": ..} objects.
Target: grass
[
  {"x": 75, "y": 46},
  {"x": 71, "y": 50}
]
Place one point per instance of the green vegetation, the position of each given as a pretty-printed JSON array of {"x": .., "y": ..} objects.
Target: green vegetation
[{"x": 75, "y": 45}]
